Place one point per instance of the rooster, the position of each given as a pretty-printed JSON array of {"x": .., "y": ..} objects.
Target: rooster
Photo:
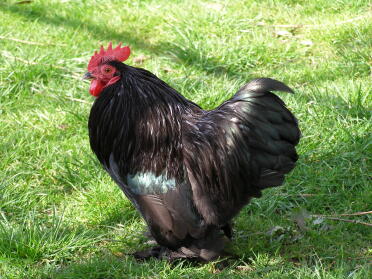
[{"x": 188, "y": 171}]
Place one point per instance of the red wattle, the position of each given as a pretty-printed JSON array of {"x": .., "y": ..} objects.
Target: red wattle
[{"x": 96, "y": 87}]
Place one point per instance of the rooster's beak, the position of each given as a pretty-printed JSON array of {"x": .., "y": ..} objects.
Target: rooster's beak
[{"x": 87, "y": 76}]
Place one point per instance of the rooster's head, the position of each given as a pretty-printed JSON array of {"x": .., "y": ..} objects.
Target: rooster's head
[{"x": 101, "y": 72}]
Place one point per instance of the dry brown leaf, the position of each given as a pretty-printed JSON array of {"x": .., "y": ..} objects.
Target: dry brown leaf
[
  {"x": 214, "y": 6},
  {"x": 283, "y": 33},
  {"x": 306, "y": 43},
  {"x": 23, "y": 2},
  {"x": 118, "y": 254},
  {"x": 168, "y": 70},
  {"x": 140, "y": 59}
]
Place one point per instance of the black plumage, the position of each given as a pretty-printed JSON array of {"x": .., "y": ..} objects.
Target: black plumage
[{"x": 189, "y": 171}]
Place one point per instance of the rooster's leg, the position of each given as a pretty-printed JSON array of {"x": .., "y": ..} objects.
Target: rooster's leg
[{"x": 153, "y": 252}]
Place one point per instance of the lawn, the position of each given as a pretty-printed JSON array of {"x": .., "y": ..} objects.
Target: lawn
[{"x": 61, "y": 216}]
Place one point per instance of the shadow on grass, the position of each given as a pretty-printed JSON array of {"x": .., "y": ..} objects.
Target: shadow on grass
[
  {"x": 113, "y": 267},
  {"x": 188, "y": 56},
  {"x": 275, "y": 258}
]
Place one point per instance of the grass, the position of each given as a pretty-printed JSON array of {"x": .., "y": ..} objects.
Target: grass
[{"x": 60, "y": 214}]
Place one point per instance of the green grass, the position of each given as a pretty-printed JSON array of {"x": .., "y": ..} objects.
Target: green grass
[{"x": 60, "y": 214}]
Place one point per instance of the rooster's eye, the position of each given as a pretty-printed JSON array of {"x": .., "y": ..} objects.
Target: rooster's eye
[{"x": 107, "y": 70}]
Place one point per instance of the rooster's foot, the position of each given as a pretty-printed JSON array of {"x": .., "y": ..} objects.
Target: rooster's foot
[{"x": 161, "y": 253}]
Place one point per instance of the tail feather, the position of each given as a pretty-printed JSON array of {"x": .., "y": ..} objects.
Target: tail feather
[
  {"x": 264, "y": 85},
  {"x": 245, "y": 145}
]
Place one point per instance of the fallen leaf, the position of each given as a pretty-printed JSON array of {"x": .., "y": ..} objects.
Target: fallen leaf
[
  {"x": 300, "y": 216},
  {"x": 140, "y": 59},
  {"x": 118, "y": 254},
  {"x": 244, "y": 268},
  {"x": 306, "y": 43},
  {"x": 23, "y": 2},
  {"x": 283, "y": 33},
  {"x": 275, "y": 230},
  {"x": 214, "y": 6},
  {"x": 168, "y": 70},
  {"x": 63, "y": 126},
  {"x": 318, "y": 221}
]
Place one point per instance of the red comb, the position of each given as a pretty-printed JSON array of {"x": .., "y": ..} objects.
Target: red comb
[{"x": 119, "y": 53}]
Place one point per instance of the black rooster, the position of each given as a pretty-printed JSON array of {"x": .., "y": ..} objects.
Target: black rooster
[{"x": 187, "y": 171}]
